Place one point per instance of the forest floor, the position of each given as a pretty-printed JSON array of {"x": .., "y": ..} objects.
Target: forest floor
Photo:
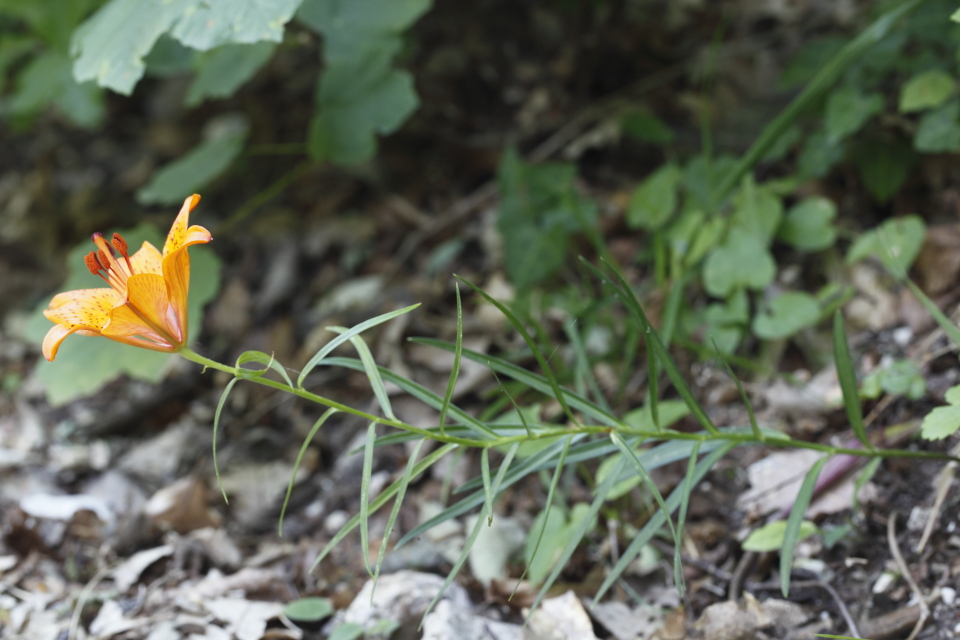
[{"x": 112, "y": 524}]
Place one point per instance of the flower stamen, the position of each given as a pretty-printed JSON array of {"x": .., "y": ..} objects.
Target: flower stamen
[{"x": 121, "y": 246}]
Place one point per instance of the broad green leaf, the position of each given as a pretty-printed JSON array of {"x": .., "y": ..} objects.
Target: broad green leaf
[
  {"x": 743, "y": 260},
  {"x": 808, "y": 225},
  {"x": 848, "y": 109},
  {"x": 769, "y": 537},
  {"x": 726, "y": 322},
  {"x": 757, "y": 210},
  {"x": 202, "y": 164},
  {"x": 703, "y": 178},
  {"x": 926, "y": 90},
  {"x": 47, "y": 80},
  {"x": 884, "y": 166},
  {"x": 943, "y": 422},
  {"x": 647, "y": 127},
  {"x": 623, "y": 487},
  {"x": 346, "y": 631},
  {"x": 169, "y": 59},
  {"x": 896, "y": 243},
  {"x": 85, "y": 364},
  {"x": 360, "y": 94},
  {"x": 211, "y": 23},
  {"x": 898, "y": 377},
  {"x": 110, "y": 46},
  {"x": 706, "y": 238},
  {"x": 819, "y": 155},
  {"x": 939, "y": 130},
  {"x": 785, "y": 315},
  {"x": 539, "y": 210},
  {"x": 225, "y": 69},
  {"x": 310, "y": 609},
  {"x": 655, "y": 199},
  {"x": 955, "y": 16},
  {"x": 670, "y": 411}
]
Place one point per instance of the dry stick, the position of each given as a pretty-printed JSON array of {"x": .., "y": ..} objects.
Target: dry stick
[{"x": 905, "y": 571}]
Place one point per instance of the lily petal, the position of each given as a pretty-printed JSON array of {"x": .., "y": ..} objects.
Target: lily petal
[
  {"x": 180, "y": 234},
  {"x": 125, "y": 324},
  {"x": 95, "y": 300},
  {"x": 176, "y": 274},
  {"x": 147, "y": 298},
  {"x": 147, "y": 259},
  {"x": 57, "y": 334}
]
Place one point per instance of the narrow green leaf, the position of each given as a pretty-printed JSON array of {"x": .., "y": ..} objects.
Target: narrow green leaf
[
  {"x": 455, "y": 372},
  {"x": 532, "y": 380},
  {"x": 216, "y": 426},
  {"x": 631, "y": 456},
  {"x": 365, "y": 496},
  {"x": 418, "y": 392},
  {"x": 343, "y": 337},
  {"x": 848, "y": 380},
  {"x": 468, "y": 545},
  {"x": 381, "y": 499},
  {"x": 487, "y": 486},
  {"x": 373, "y": 373},
  {"x": 794, "y": 521},
  {"x": 581, "y": 530},
  {"x": 743, "y": 394},
  {"x": 657, "y": 520},
  {"x": 296, "y": 465},
  {"x": 945, "y": 323},
  {"x": 682, "y": 518},
  {"x": 558, "y": 469},
  {"x": 544, "y": 366},
  {"x": 260, "y": 358},
  {"x": 636, "y": 311},
  {"x": 395, "y": 511}
]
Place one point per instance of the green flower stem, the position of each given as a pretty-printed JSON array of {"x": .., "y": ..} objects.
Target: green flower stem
[{"x": 647, "y": 434}]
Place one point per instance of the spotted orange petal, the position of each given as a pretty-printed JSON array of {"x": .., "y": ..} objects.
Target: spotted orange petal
[{"x": 182, "y": 235}]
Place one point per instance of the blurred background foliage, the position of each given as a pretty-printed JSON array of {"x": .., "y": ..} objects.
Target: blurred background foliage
[{"x": 593, "y": 126}]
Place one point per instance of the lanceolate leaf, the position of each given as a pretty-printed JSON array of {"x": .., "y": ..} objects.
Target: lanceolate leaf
[
  {"x": 848, "y": 380},
  {"x": 795, "y": 521}
]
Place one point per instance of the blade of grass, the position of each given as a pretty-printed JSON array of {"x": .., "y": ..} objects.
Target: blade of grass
[
  {"x": 657, "y": 520},
  {"x": 395, "y": 511},
  {"x": 381, "y": 499},
  {"x": 814, "y": 91},
  {"x": 848, "y": 380},
  {"x": 455, "y": 372},
  {"x": 296, "y": 465},
  {"x": 343, "y": 337},
  {"x": 544, "y": 365},
  {"x": 636, "y": 311},
  {"x": 216, "y": 427},
  {"x": 365, "y": 496},
  {"x": 794, "y": 520},
  {"x": 516, "y": 407}
]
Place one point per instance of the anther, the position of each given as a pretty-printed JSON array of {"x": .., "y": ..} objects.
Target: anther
[
  {"x": 120, "y": 245},
  {"x": 103, "y": 260},
  {"x": 91, "y": 261}
]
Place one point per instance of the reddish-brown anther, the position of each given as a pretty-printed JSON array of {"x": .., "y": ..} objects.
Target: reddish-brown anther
[
  {"x": 120, "y": 245},
  {"x": 91, "y": 261}
]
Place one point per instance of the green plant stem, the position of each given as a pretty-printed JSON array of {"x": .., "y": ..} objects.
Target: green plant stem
[{"x": 733, "y": 437}]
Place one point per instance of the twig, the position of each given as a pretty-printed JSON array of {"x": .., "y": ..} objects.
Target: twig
[
  {"x": 841, "y": 605},
  {"x": 742, "y": 570},
  {"x": 82, "y": 600},
  {"x": 895, "y": 551}
]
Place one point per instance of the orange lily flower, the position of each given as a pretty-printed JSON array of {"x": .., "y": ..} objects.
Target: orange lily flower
[{"x": 146, "y": 304}]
